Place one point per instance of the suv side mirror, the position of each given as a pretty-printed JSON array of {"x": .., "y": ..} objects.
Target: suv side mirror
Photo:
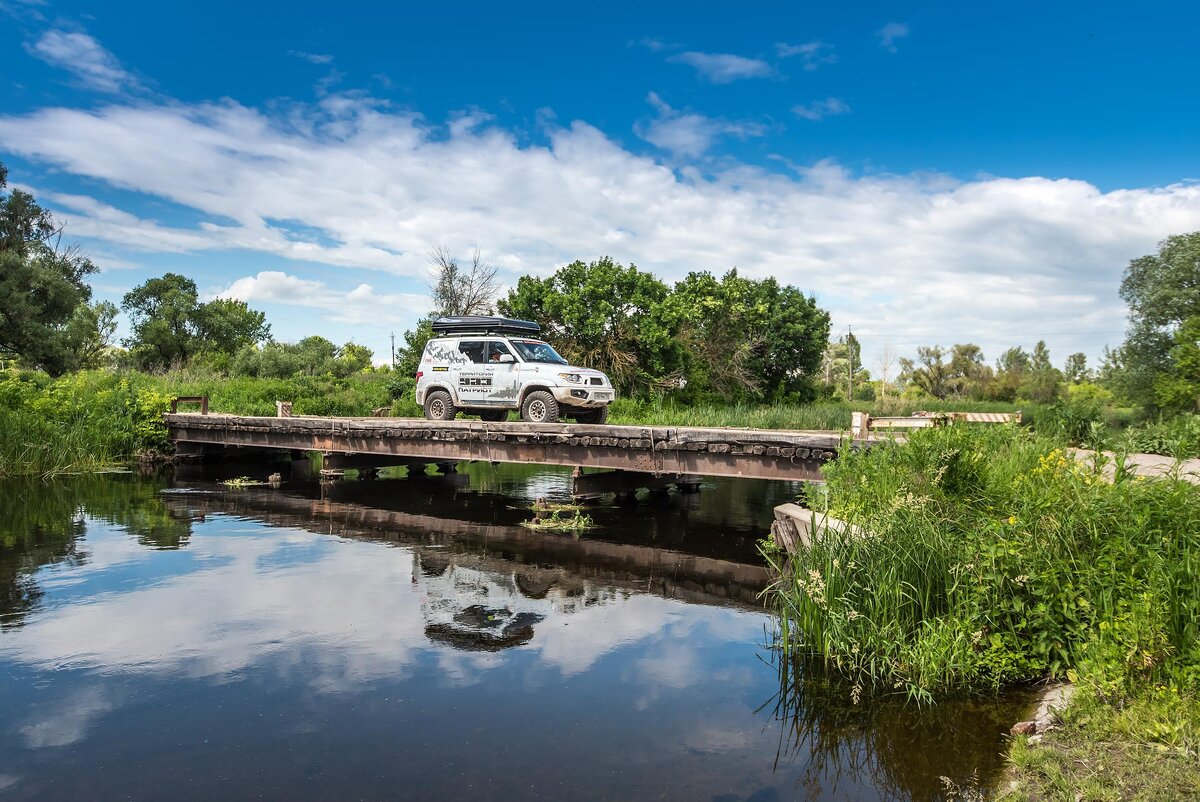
[{"x": 506, "y": 358}]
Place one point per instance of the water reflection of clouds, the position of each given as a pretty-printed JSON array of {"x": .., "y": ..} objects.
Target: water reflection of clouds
[
  {"x": 349, "y": 608},
  {"x": 574, "y": 643},
  {"x": 218, "y": 619},
  {"x": 344, "y": 615},
  {"x": 67, "y": 720},
  {"x": 106, "y": 547}
]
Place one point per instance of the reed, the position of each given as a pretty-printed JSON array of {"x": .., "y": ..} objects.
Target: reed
[
  {"x": 990, "y": 557},
  {"x": 817, "y": 416}
]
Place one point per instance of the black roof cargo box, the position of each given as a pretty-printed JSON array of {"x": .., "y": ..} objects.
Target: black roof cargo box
[{"x": 477, "y": 324}]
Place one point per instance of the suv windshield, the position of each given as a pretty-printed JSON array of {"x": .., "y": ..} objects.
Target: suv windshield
[{"x": 537, "y": 351}]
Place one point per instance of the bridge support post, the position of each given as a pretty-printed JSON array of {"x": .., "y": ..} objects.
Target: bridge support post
[{"x": 302, "y": 466}]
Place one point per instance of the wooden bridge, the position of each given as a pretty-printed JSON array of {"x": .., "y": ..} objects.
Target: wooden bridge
[{"x": 647, "y": 456}]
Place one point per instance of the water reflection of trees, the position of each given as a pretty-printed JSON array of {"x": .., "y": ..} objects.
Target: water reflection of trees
[
  {"x": 42, "y": 524},
  {"x": 897, "y": 748}
]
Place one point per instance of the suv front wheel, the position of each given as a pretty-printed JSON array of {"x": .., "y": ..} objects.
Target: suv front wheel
[
  {"x": 539, "y": 407},
  {"x": 440, "y": 406}
]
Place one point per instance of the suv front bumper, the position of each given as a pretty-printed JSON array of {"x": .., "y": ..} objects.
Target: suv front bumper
[{"x": 583, "y": 397}]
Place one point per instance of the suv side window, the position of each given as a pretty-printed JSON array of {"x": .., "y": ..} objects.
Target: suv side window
[
  {"x": 496, "y": 348},
  {"x": 473, "y": 350}
]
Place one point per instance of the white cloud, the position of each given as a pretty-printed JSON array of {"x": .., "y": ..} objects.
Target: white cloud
[
  {"x": 819, "y": 109},
  {"x": 812, "y": 54},
  {"x": 312, "y": 58},
  {"x": 347, "y": 182},
  {"x": 92, "y": 65},
  {"x": 687, "y": 134},
  {"x": 890, "y": 34},
  {"x": 723, "y": 68},
  {"x": 651, "y": 43},
  {"x": 359, "y": 305}
]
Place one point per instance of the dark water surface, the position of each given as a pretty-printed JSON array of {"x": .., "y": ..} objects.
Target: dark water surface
[{"x": 171, "y": 638}]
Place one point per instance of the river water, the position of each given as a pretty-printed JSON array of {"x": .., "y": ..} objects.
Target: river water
[{"x": 172, "y": 638}]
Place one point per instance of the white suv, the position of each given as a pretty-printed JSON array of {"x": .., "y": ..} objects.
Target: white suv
[{"x": 487, "y": 366}]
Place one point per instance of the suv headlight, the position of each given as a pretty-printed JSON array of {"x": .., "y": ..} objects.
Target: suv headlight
[{"x": 573, "y": 378}]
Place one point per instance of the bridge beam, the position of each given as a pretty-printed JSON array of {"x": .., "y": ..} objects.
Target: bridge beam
[
  {"x": 746, "y": 453},
  {"x": 591, "y": 486}
]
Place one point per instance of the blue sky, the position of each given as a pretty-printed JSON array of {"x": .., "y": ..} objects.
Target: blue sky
[{"x": 933, "y": 172}]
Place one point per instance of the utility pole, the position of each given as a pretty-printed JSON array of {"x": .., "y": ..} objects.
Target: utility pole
[
  {"x": 850, "y": 360},
  {"x": 393, "y": 350}
]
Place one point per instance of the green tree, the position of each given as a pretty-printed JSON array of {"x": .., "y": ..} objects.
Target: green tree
[
  {"x": 88, "y": 334},
  {"x": 162, "y": 312},
  {"x": 1180, "y": 389},
  {"x": 969, "y": 376},
  {"x": 353, "y": 358},
  {"x": 41, "y": 285},
  {"x": 225, "y": 325},
  {"x": 607, "y": 316},
  {"x": 312, "y": 356},
  {"x": 1043, "y": 381},
  {"x": 930, "y": 373},
  {"x": 1162, "y": 291},
  {"x": 1012, "y": 371},
  {"x": 1075, "y": 369},
  {"x": 408, "y": 355},
  {"x": 170, "y": 325},
  {"x": 841, "y": 360},
  {"x": 746, "y": 339}
]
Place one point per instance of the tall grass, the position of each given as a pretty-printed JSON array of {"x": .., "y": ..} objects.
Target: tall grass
[
  {"x": 78, "y": 423},
  {"x": 989, "y": 557},
  {"x": 90, "y": 420},
  {"x": 821, "y": 415},
  {"x": 357, "y": 395}
]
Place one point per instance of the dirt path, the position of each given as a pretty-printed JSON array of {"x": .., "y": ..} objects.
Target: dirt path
[{"x": 1148, "y": 464}]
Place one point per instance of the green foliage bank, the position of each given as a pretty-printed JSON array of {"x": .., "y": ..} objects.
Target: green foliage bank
[{"x": 990, "y": 557}]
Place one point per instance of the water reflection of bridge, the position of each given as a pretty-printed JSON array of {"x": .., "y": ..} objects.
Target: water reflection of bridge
[{"x": 539, "y": 564}]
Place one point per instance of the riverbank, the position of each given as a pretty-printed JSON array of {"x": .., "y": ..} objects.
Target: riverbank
[
  {"x": 1147, "y": 747},
  {"x": 980, "y": 559}
]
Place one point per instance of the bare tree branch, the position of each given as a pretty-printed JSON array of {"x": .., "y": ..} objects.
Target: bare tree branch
[{"x": 461, "y": 292}]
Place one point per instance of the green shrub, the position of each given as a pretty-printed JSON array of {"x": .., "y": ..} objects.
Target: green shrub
[
  {"x": 991, "y": 557},
  {"x": 1177, "y": 437}
]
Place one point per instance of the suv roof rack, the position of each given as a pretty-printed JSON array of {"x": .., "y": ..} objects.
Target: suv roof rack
[{"x": 478, "y": 324}]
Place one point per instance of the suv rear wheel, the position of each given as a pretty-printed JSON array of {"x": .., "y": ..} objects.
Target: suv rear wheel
[
  {"x": 539, "y": 407},
  {"x": 598, "y": 415},
  {"x": 440, "y": 406}
]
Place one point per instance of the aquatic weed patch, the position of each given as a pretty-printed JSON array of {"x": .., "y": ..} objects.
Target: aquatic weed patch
[
  {"x": 989, "y": 557},
  {"x": 552, "y": 517}
]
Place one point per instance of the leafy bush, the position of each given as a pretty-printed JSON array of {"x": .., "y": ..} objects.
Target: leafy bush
[
  {"x": 1177, "y": 437},
  {"x": 80, "y": 422},
  {"x": 987, "y": 557}
]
